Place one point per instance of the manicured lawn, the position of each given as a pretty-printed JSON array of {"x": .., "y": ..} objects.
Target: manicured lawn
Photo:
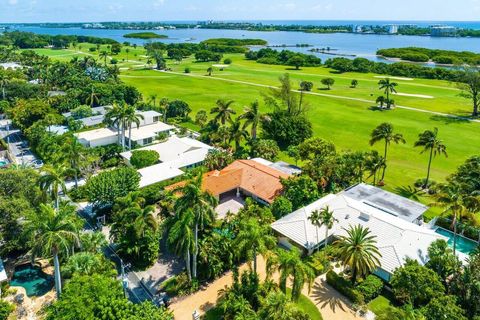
[{"x": 379, "y": 304}]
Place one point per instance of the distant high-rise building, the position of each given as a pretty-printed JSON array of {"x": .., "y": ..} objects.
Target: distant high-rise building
[
  {"x": 393, "y": 29},
  {"x": 442, "y": 31}
]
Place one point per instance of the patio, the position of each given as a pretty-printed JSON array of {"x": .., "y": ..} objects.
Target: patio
[{"x": 229, "y": 202}]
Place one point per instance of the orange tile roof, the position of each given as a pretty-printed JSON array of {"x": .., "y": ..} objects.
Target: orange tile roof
[{"x": 249, "y": 175}]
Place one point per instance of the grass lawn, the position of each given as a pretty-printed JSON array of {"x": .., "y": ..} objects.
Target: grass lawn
[
  {"x": 346, "y": 122},
  {"x": 303, "y": 303},
  {"x": 379, "y": 304}
]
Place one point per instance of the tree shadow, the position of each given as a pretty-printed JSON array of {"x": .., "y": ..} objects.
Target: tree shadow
[
  {"x": 377, "y": 108},
  {"x": 324, "y": 295},
  {"x": 449, "y": 119},
  {"x": 408, "y": 192},
  {"x": 324, "y": 89},
  {"x": 293, "y": 69}
]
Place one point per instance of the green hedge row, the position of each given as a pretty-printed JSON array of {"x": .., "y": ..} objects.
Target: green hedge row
[{"x": 345, "y": 287}]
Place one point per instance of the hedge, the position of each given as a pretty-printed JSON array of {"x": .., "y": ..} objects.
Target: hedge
[
  {"x": 345, "y": 287},
  {"x": 370, "y": 287}
]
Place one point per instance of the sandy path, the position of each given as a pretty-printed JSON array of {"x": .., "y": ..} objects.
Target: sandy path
[
  {"x": 309, "y": 93},
  {"x": 423, "y": 96},
  {"x": 331, "y": 304},
  {"x": 395, "y": 78}
]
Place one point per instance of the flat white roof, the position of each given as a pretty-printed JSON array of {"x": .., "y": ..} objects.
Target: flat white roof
[
  {"x": 148, "y": 131},
  {"x": 150, "y": 113},
  {"x": 96, "y": 134},
  {"x": 3, "y": 274},
  {"x": 158, "y": 173},
  {"x": 396, "y": 238}
]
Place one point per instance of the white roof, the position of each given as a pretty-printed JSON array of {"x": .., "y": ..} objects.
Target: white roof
[
  {"x": 175, "y": 153},
  {"x": 96, "y": 134},
  {"x": 3, "y": 274},
  {"x": 396, "y": 238},
  {"x": 10, "y": 65},
  {"x": 265, "y": 162},
  {"x": 149, "y": 113},
  {"x": 157, "y": 173},
  {"x": 148, "y": 131}
]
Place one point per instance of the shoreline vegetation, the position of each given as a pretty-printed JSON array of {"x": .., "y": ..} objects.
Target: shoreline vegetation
[
  {"x": 424, "y": 55},
  {"x": 145, "y": 35},
  {"x": 406, "y": 30}
]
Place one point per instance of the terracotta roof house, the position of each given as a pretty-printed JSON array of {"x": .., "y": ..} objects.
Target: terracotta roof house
[{"x": 242, "y": 178}]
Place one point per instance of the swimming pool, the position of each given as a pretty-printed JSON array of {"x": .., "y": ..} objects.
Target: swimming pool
[
  {"x": 33, "y": 279},
  {"x": 3, "y": 163},
  {"x": 463, "y": 244}
]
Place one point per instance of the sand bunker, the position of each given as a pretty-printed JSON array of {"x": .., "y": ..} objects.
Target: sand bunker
[
  {"x": 220, "y": 66},
  {"x": 414, "y": 95},
  {"x": 396, "y": 78}
]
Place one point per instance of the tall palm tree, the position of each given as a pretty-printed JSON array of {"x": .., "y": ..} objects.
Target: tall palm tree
[
  {"x": 146, "y": 220},
  {"x": 358, "y": 250},
  {"x": 254, "y": 239},
  {"x": 451, "y": 197},
  {"x": 115, "y": 116},
  {"x": 289, "y": 264},
  {"x": 127, "y": 51},
  {"x": 315, "y": 219},
  {"x": 52, "y": 180},
  {"x": 4, "y": 81},
  {"x": 52, "y": 232},
  {"x": 388, "y": 87},
  {"x": 237, "y": 133},
  {"x": 75, "y": 155},
  {"x": 201, "y": 203},
  {"x": 430, "y": 142},
  {"x": 373, "y": 163},
  {"x": 93, "y": 98},
  {"x": 385, "y": 132},
  {"x": 153, "y": 99},
  {"x": 104, "y": 56},
  {"x": 223, "y": 111},
  {"x": 321, "y": 218},
  {"x": 182, "y": 238},
  {"x": 131, "y": 117},
  {"x": 252, "y": 117}
]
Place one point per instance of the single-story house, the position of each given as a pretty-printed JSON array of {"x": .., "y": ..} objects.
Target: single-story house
[
  {"x": 396, "y": 237},
  {"x": 175, "y": 154},
  {"x": 146, "y": 134},
  {"x": 97, "y": 117},
  {"x": 242, "y": 178},
  {"x": 97, "y": 137}
]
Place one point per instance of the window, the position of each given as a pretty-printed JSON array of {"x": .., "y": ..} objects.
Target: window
[
  {"x": 147, "y": 141},
  {"x": 156, "y": 118}
]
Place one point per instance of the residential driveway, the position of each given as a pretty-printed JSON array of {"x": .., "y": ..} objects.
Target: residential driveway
[
  {"x": 166, "y": 267},
  {"x": 14, "y": 138}
]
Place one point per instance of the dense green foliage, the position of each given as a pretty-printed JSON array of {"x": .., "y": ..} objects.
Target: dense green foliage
[
  {"x": 439, "y": 56},
  {"x": 145, "y": 35},
  {"x": 235, "y": 42},
  {"x": 144, "y": 158},
  {"x": 284, "y": 57},
  {"x": 5, "y": 309},
  {"x": 104, "y": 188},
  {"x": 100, "y": 297},
  {"x": 344, "y": 287}
]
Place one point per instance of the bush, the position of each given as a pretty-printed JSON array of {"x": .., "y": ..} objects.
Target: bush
[
  {"x": 187, "y": 70},
  {"x": 320, "y": 262},
  {"x": 306, "y": 85},
  {"x": 343, "y": 286},
  {"x": 113, "y": 61},
  {"x": 371, "y": 287},
  {"x": 227, "y": 61},
  {"x": 281, "y": 206},
  {"x": 144, "y": 158},
  {"x": 5, "y": 309}
]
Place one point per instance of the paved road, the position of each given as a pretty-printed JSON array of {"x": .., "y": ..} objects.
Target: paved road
[{"x": 17, "y": 144}]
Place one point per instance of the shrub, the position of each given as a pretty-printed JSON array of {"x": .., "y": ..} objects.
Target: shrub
[
  {"x": 227, "y": 61},
  {"x": 320, "y": 261},
  {"x": 281, "y": 206},
  {"x": 92, "y": 49},
  {"x": 306, "y": 85},
  {"x": 370, "y": 287},
  {"x": 5, "y": 309},
  {"x": 113, "y": 61},
  {"x": 343, "y": 286},
  {"x": 144, "y": 158},
  {"x": 187, "y": 70}
]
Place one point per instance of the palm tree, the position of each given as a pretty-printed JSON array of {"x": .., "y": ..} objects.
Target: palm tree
[
  {"x": 104, "y": 55},
  {"x": 385, "y": 132},
  {"x": 210, "y": 71},
  {"x": 430, "y": 142},
  {"x": 381, "y": 101},
  {"x": 146, "y": 219},
  {"x": 52, "y": 180},
  {"x": 4, "y": 81},
  {"x": 237, "y": 133},
  {"x": 131, "y": 117},
  {"x": 52, "y": 232},
  {"x": 164, "y": 105},
  {"x": 223, "y": 111},
  {"x": 453, "y": 200},
  {"x": 358, "y": 251},
  {"x": 373, "y": 163},
  {"x": 321, "y": 218},
  {"x": 388, "y": 87},
  {"x": 127, "y": 50},
  {"x": 201, "y": 204},
  {"x": 252, "y": 117},
  {"x": 116, "y": 116},
  {"x": 153, "y": 99},
  {"x": 254, "y": 239},
  {"x": 182, "y": 238},
  {"x": 92, "y": 99},
  {"x": 75, "y": 154},
  {"x": 289, "y": 264}
]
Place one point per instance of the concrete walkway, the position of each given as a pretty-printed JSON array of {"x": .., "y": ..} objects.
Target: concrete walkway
[{"x": 329, "y": 302}]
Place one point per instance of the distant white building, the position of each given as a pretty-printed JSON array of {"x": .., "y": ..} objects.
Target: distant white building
[
  {"x": 175, "y": 154},
  {"x": 443, "y": 31},
  {"x": 11, "y": 65},
  {"x": 393, "y": 29},
  {"x": 396, "y": 237}
]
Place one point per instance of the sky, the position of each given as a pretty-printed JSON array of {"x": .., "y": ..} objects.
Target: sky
[{"x": 174, "y": 10}]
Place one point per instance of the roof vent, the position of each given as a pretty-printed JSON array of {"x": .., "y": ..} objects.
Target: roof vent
[{"x": 364, "y": 216}]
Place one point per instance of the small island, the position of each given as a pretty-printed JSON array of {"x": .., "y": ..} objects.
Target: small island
[{"x": 145, "y": 35}]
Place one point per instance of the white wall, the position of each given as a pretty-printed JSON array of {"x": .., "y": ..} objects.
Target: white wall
[{"x": 103, "y": 141}]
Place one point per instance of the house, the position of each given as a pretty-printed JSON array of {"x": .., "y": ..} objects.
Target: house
[
  {"x": 397, "y": 238},
  {"x": 97, "y": 118},
  {"x": 11, "y": 65},
  {"x": 243, "y": 178},
  {"x": 175, "y": 154},
  {"x": 146, "y": 133}
]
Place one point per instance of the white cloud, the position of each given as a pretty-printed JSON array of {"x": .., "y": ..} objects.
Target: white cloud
[
  {"x": 12, "y": 2},
  {"x": 158, "y": 3}
]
